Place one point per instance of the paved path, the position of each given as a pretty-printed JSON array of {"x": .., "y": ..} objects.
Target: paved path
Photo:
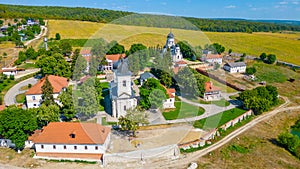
[
  {"x": 210, "y": 110},
  {"x": 185, "y": 160},
  {"x": 10, "y": 96}
]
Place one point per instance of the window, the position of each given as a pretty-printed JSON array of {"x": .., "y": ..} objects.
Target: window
[
  {"x": 42, "y": 146},
  {"x": 54, "y": 147},
  {"x": 124, "y": 83},
  {"x": 75, "y": 147},
  {"x": 96, "y": 147},
  {"x": 34, "y": 104},
  {"x": 65, "y": 147},
  {"x": 85, "y": 147},
  {"x": 33, "y": 97},
  {"x": 125, "y": 108}
]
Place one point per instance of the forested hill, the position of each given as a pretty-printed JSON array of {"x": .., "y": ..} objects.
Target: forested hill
[{"x": 130, "y": 18}]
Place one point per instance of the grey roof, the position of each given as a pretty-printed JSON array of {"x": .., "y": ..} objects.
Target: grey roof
[
  {"x": 170, "y": 35},
  {"x": 236, "y": 64},
  {"x": 147, "y": 75},
  {"x": 122, "y": 69}
]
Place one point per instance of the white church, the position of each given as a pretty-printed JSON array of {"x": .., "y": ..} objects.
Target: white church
[
  {"x": 173, "y": 48},
  {"x": 121, "y": 93}
]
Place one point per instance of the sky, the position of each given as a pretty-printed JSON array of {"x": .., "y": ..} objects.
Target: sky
[{"x": 247, "y": 9}]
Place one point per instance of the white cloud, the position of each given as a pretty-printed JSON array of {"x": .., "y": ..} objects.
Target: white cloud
[
  {"x": 230, "y": 6},
  {"x": 163, "y": 3},
  {"x": 283, "y": 3},
  {"x": 295, "y": 2}
]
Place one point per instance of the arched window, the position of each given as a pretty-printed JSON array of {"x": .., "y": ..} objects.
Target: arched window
[{"x": 124, "y": 83}]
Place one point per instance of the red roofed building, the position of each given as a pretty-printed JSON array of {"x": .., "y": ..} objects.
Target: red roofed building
[
  {"x": 71, "y": 141},
  {"x": 212, "y": 58},
  {"x": 181, "y": 64},
  {"x": 85, "y": 52},
  {"x": 111, "y": 59},
  {"x": 34, "y": 94},
  {"x": 169, "y": 103},
  {"x": 211, "y": 92}
]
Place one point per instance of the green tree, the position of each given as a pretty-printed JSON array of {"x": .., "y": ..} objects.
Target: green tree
[
  {"x": 166, "y": 79},
  {"x": 66, "y": 98},
  {"x": 57, "y": 36},
  {"x": 250, "y": 70},
  {"x": 218, "y": 48},
  {"x": 186, "y": 49},
  {"x": 47, "y": 91},
  {"x": 54, "y": 65},
  {"x": 46, "y": 114},
  {"x": 127, "y": 124},
  {"x": 187, "y": 82},
  {"x": 289, "y": 142},
  {"x": 263, "y": 56},
  {"x": 134, "y": 63},
  {"x": 156, "y": 98},
  {"x": 79, "y": 68},
  {"x": 115, "y": 48},
  {"x": 66, "y": 48},
  {"x": 271, "y": 58},
  {"x": 140, "y": 51},
  {"x": 88, "y": 103},
  {"x": 145, "y": 91},
  {"x": 17, "y": 124}
]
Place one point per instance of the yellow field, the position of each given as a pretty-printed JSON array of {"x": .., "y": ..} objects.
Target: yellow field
[{"x": 285, "y": 46}]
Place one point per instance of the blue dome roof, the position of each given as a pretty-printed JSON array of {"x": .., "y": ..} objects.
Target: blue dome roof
[{"x": 170, "y": 35}]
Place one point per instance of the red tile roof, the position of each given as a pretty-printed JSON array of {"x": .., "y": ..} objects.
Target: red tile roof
[
  {"x": 115, "y": 57},
  {"x": 181, "y": 62},
  {"x": 57, "y": 82},
  {"x": 85, "y": 52},
  {"x": 209, "y": 87},
  {"x": 213, "y": 56},
  {"x": 2, "y": 107},
  {"x": 85, "y": 133}
]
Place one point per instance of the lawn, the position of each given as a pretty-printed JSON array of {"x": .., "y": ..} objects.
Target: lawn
[
  {"x": 183, "y": 110},
  {"x": 221, "y": 103},
  {"x": 21, "y": 98},
  {"x": 285, "y": 45},
  {"x": 218, "y": 119},
  {"x": 273, "y": 73},
  {"x": 28, "y": 66}
]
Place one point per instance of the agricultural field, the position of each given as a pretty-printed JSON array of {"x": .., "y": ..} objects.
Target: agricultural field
[{"x": 285, "y": 45}]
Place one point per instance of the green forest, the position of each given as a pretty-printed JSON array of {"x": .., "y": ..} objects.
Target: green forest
[{"x": 130, "y": 18}]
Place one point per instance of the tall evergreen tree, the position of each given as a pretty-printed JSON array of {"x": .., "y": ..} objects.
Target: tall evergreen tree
[{"x": 47, "y": 90}]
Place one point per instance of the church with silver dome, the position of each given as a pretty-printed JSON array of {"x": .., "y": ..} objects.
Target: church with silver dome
[{"x": 173, "y": 48}]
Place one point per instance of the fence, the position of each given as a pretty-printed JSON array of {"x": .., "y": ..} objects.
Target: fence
[{"x": 211, "y": 134}]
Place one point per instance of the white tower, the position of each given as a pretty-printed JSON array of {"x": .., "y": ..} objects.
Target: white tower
[
  {"x": 170, "y": 40},
  {"x": 123, "y": 79},
  {"x": 46, "y": 43}
]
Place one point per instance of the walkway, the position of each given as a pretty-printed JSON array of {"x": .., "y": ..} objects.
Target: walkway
[
  {"x": 10, "y": 96},
  {"x": 195, "y": 155},
  {"x": 210, "y": 110}
]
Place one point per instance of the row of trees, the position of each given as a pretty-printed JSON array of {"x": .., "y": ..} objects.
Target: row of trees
[
  {"x": 105, "y": 16},
  {"x": 260, "y": 99},
  {"x": 270, "y": 58}
]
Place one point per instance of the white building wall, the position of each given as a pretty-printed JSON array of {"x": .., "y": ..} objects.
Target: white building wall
[
  {"x": 10, "y": 73},
  {"x": 169, "y": 103},
  {"x": 217, "y": 60},
  {"x": 34, "y": 101},
  {"x": 59, "y": 148}
]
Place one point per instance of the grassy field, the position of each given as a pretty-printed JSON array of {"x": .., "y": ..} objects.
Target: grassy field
[
  {"x": 183, "y": 110},
  {"x": 21, "y": 98},
  {"x": 218, "y": 119},
  {"x": 286, "y": 45},
  {"x": 273, "y": 73},
  {"x": 256, "y": 147}
]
